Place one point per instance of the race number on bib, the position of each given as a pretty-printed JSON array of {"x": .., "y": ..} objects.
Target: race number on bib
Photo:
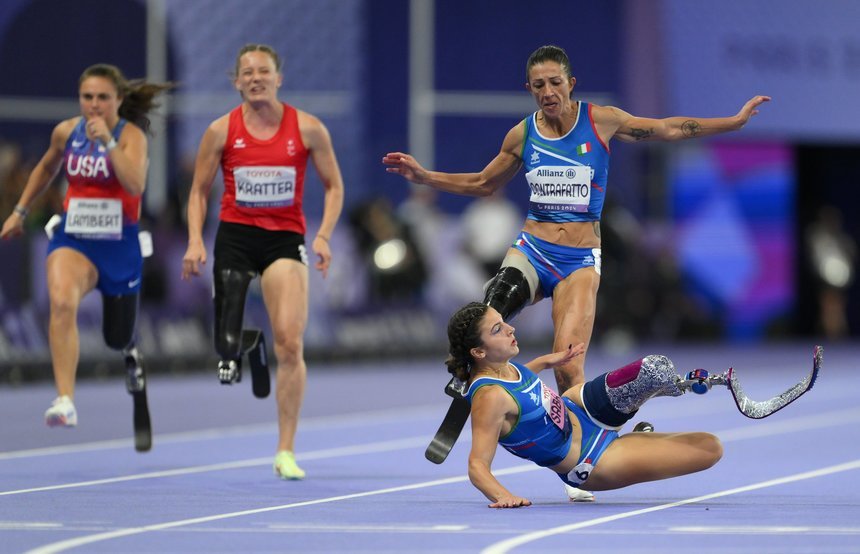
[
  {"x": 265, "y": 186},
  {"x": 95, "y": 218},
  {"x": 562, "y": 188},
  {"x": 553, "y": 405}
]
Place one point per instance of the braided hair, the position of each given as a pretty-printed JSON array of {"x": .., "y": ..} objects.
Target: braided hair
[{"x": 464, "y": 334}]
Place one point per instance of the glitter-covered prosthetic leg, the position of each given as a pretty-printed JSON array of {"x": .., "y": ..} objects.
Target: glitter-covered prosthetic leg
[
  {"x": 614, "y": 397},
  {"x": 700, "y": 382}
]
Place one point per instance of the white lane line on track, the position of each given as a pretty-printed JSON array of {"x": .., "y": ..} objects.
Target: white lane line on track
[
  {"x": 762, "y": 429},
  {"x": 354, "y": 419},
  {"x": 311, "y": 528},
  {"x": 61, "y": 546},
  {"x": 764, "y": 530},
  {"x": 498, "y": 548},
  {"x": 368, "y": 448},
  {"x": 502, "y": 547}
]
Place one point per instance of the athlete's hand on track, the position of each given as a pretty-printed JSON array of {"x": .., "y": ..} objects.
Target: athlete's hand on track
[{"x": 511, "y": 501}]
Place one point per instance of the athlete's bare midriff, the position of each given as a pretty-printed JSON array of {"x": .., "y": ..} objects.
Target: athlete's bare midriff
[{"x": 576, "y": 234}]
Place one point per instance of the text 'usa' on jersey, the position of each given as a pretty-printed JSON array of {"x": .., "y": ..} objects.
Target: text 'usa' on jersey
[
  {"x": 567, "y": 176},
  {"x": 91, "y": 176}
]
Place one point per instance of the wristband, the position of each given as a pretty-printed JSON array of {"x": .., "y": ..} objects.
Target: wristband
[
  {"x": 322, "y": 237},
  {"x": 111, "y": 144},
  {"x": 22, "y": 212}
]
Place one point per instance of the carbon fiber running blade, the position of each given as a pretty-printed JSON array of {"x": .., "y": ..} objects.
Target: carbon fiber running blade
[
  {"x": 761, "y": 409},
  {"x": 449, "y": 431},
  {"x": 142, "y": 424},
  {"x": 254, "y": 344}
]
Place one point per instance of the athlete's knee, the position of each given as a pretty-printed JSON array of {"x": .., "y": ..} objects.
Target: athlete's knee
[
  {"x": 289, "y": 349},
  {"x": 509, "y": 291},
  {"x": 703, "y": 451},
  {"x": 714, "y": 447},
  {"x": 119, "y": 316},
  {"x": 231, "y": 288},
  {"x": 614, "y": 398}
]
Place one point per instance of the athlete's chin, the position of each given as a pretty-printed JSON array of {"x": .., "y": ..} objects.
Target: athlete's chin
[{"x": 551, "y": 110}]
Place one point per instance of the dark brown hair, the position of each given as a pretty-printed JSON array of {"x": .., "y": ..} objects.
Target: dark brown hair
[
  {"x": 464, "y": 334},
  {"x": 549, "y": 53},
  {"x": 137, "y": 95}
]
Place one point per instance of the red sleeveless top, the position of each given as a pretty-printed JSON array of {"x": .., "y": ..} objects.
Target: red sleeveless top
[{"x": 264, "y": 179}]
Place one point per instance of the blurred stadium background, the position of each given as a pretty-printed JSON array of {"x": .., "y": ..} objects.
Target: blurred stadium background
[{"x": 749, "y": 237}]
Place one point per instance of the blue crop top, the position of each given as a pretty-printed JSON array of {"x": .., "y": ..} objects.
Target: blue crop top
[
  {"x": 567, "y": 175},
  {"x": 542, "y": 433}
]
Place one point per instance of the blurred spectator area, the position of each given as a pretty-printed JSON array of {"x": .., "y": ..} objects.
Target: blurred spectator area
[{"x": 702, "y": 240}]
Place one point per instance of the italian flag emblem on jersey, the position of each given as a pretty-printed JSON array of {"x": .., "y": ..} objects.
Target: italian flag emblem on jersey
[{"x": 583, "y": 149}]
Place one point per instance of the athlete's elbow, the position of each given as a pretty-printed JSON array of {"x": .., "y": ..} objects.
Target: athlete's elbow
[
  {"x": 712, "y": 450},
  {"x": 484, "y": 188},
  {"x": 135, "y": 189}
]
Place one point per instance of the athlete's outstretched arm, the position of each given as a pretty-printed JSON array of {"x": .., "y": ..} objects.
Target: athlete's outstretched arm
[
  {"x": 489, "y": 407},
  {"x": 613, "y": 122},
  {"x": 555, "y": 359},
  {"x": 205, "y": 169},
  {"x": 498, "y": 172}
]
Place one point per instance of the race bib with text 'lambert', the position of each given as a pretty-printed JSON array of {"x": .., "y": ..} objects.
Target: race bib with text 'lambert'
[{"x": 94, "y": 218}]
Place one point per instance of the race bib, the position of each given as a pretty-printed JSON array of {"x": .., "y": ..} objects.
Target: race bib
[
  {"x": 580, "y": 473},
  {"x": 562, "y": 188},
  {"x": 94, "y": 218},
  {"x": 553, "y": 405},
  {"x": 265, "y": 186}
]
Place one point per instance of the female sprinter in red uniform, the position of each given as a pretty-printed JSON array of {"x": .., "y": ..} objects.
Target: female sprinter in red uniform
[{"x": 262, "y": 148}]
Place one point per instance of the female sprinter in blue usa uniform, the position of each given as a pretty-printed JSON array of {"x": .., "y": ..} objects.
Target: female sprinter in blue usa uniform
[
  {"x": 576, "y": 434},
  {"x": 103, "y": 153}
]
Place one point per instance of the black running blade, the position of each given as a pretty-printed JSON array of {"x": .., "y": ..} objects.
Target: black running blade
[
  {"x": 449, "y": 431},
  {"x": 142, "y": 425},
  {"x": 254, "y": 344}
]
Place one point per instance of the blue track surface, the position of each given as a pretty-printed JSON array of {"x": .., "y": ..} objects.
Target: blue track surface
[{"x": 786, "y": 484}]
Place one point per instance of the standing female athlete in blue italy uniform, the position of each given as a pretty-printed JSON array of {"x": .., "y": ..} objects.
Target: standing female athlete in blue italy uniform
[
  {"x": 575, "y": 434},
  {"x": 103, "y": 153},
  {"x": 564, "y": 147}
]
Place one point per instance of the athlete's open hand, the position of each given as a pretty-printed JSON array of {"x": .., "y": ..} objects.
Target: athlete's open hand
[
  {"x": 556, "y": 359},
  {"x": 405, "y": 166},
  {"x": 751, "y": 108}
]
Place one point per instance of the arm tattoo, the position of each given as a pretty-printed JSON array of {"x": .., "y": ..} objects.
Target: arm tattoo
[
  {"x": 596, "y": 226},
  {"x": 641, "y": 134},
  {"x": 691, "y": 128}
]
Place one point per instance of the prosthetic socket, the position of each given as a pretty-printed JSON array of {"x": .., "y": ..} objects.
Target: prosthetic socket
[{"x": 614, "y": 398}]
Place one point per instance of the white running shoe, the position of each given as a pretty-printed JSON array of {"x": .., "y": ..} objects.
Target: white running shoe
[
  {"x": 61, "y": 413},
  {"x": 578, "y": 495}
]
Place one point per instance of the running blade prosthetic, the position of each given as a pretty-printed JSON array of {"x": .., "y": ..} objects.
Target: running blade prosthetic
[{"x": 700, "y": 382}]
